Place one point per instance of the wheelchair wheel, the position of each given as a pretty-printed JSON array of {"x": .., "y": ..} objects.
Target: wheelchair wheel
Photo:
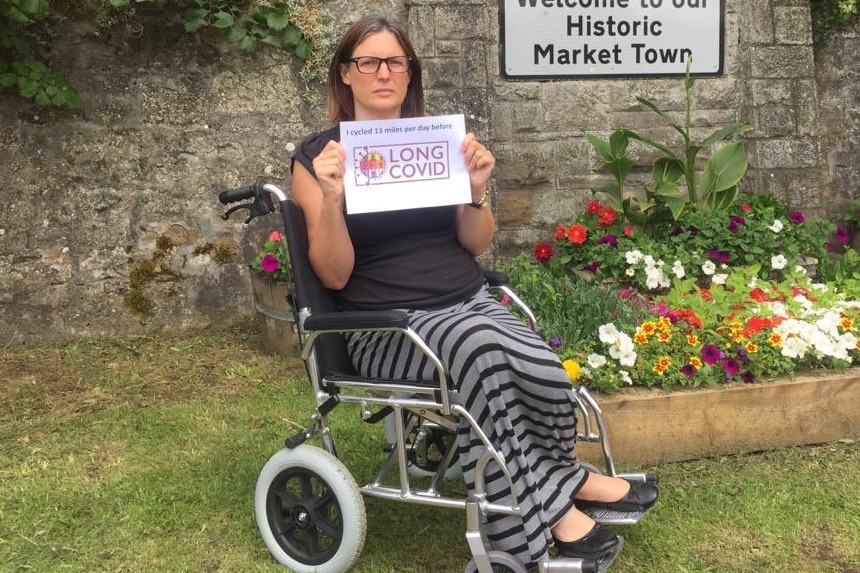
[
  {"x": 501, "y": 562},
  {"x": 310, "y": 511}
]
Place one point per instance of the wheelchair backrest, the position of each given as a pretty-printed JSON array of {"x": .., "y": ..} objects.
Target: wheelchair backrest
[{"x": 309, "y": 293}]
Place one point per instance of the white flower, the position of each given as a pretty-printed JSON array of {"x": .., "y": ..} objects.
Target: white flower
[
  {"x": 778, "y": 262},
  {"x": 596, "y": 360},
  {"x": 678, "y": 269},
  {"x": 720, "y": 278},
  {"x": 625, "y": 375},
  {"x": 630, "y": 271},
  {"x": 777, "y": 226},
  {"x": 633, "y": 257},
  {"x": 709, "y": 267}
]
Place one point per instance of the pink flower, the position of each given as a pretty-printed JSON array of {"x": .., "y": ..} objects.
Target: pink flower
[
  {"x": 270, "y": 263},
  {"x": 276, "y": 236},
  {"x": 796, "y": 217}
]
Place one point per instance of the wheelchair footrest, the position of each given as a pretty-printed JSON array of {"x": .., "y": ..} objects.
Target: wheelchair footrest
[
  {"x": 561, "y": 564},
  {"x": 610, "y": 517}
]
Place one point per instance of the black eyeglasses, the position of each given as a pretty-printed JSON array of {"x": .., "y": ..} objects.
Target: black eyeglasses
[{"x": 370, "y": 65}]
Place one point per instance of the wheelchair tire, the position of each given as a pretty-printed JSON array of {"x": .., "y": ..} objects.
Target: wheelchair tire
[
  {"x": 310, "y": 511},
  {"x": 501, "y": 562}
]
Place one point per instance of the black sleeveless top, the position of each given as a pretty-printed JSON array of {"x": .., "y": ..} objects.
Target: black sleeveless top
[{"x": 407, "y": 259}]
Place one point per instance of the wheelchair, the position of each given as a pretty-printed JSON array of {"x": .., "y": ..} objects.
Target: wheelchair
[{"x": 309, "y": 508}]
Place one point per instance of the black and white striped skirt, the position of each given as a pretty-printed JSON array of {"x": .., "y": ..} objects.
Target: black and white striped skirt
[{"x": 515, "y": 387}]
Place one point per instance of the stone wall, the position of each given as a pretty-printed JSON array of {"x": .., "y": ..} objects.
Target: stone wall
[{"x": 109, "y": 222}]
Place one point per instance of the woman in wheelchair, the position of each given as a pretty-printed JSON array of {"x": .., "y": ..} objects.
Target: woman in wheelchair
[{"x": 424, "y": 261}]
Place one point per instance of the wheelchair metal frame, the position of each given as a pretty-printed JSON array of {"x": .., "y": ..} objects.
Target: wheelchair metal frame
[{"x": 433, "y": 405}]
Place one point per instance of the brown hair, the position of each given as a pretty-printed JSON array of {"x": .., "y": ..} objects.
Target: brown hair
[{"x": 341, "y": 106}]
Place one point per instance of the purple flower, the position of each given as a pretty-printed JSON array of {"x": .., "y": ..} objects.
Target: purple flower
[
  {"x": 796, "y": 217},
  {"x": 688, "y": 370},
  {"x": 554, "y": 342},
  {"x": 730, "y": 366},
  {"x": 742, "y": 355},
  {"x": 710, "y": 354},
  {"x": 735, "y": 222},
  {"x": 748, "y": 377},
  {"x": 841, "y": 235},
  {"x": 270, "y": 263},
  {"x": 592, "y": 268},
  {"x": 610, "y": 240},
  {"x": 719, "y": 256},
  {"x": 694, "y": 231}
]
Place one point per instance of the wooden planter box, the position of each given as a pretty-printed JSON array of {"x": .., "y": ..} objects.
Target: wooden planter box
[
  {"x": 651, "y": 427},
  {"x": 277, "y": 327}
]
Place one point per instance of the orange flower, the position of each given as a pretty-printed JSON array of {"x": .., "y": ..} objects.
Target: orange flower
[
  {"x": 577, "y": 234},
  {"x": 607, "y": 216}
]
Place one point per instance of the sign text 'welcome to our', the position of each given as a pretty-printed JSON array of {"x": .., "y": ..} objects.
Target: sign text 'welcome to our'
[{"x": 630, "y": 38}]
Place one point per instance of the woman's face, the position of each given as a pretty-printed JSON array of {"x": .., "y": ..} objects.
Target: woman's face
[{"x": 377, "y": 95}]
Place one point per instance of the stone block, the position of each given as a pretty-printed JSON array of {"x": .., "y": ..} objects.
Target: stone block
[
  {"x": 792, "y": 25},
  {"x": 781, "y": 62},
  {"x": 514, "y": 209},
  {"x": 787, "y": 153}
]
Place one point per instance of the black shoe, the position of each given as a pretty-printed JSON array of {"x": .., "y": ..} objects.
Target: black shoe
[
  {"x": 641, "y": 496},
  {"x": 596, "y": 543}
]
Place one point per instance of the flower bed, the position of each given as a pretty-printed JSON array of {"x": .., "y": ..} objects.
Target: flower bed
[{"x": 689, "y": 306}]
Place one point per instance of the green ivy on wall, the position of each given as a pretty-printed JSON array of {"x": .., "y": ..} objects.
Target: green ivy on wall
[
  {"x": 297, "y": 25},
  {"x": 830, "y": 15}
]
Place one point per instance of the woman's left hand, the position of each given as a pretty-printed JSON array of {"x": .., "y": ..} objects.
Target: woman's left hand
[{"x": 480, "y": 162}]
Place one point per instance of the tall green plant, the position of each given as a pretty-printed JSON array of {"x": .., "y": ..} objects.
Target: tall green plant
[{"x": 712, "y": 189}]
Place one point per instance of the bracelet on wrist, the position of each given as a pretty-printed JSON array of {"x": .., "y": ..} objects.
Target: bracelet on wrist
[{"x": 482, "y": 202}]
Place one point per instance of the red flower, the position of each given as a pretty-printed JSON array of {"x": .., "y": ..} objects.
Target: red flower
[
  {"x": 543, "y": 252},
  {"x": 746, "y": 208},
  {"x": 577, "y": 234},
  {"x": 628, "y": 231},
  {"x": 758, "y": 295},
  {"x": 607, "y": 216},
  {"x": 593, "y": 207},
  {"x": 560, "y": 232}
]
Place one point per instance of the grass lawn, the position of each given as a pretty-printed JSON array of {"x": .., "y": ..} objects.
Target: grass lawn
[{"x": 140, "y": 454}]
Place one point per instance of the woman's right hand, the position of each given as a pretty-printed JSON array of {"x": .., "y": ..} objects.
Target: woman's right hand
[{"x": 330, "y": 167}]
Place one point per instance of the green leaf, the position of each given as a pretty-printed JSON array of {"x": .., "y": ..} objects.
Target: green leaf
[
  {"x": 235, "y": 34},
  {"x": 667, "y": 189},
  {"x": 725, "y": 133},
  {"x": 271, "y": 40},
  {"x": 612, "y": 193},
  {"x": 721, "y": 200},
  {"x": 667, "y": 119},
  {"x": 277, "y": 21},
  {"x": 195, "y": 18},
  {"x": 600, "y": 146},
  {"x": 618, "y": 142},
  {"x": 725, "y": 167},
  {"x": 30, "y": 6},
  {"x": 292, "y": 36},
  {"x": 303, "y": 50},
  {"x": 620, "y": 167},
  {"x": 118, "y": 3},
  {"x": 648, "y": 141},
  {"x": 667, "y": 169},
  {"x": 8, "y": 80},
  {"x": 27, "y": 87},
  {"x": 248, "y": 43},
  {"x": 223, "y": 20}
]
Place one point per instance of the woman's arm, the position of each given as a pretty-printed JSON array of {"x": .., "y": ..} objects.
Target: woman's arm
[
  {"x": 322, "y": 199},
  {"x": 476, "y": 226}
]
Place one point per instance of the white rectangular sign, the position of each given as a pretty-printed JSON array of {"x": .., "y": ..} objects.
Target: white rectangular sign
[
  {"x": 551, "y": 39},
  {"x": 404, "y": 163}
]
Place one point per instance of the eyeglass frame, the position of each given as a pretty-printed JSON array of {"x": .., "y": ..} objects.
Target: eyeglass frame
[{"x": 379, "y": 63}]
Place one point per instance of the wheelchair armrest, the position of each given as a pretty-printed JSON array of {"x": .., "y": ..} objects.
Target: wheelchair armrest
[
  {"x": 496, "y": 278},
  {"x": 357, "y": 320}
]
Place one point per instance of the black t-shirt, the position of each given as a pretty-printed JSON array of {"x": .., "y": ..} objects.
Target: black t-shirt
[{"x": 409, "y": 258}]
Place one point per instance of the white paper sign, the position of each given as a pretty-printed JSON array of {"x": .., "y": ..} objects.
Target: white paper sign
[{"x": 404, "y": 163}]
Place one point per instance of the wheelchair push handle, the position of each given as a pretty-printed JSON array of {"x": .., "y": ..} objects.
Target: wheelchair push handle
[{"x": 260, "y": 196}]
